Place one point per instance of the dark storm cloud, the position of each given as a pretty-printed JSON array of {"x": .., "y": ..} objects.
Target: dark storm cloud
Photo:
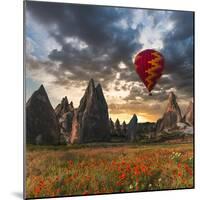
[
  {"x": 107, "y": 44},
  {"x": 184, "y": 26},
  {"x": 178, "y": 51}
]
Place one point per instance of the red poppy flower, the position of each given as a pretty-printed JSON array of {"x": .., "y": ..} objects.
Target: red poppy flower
[{"x": 122, "y": 176}]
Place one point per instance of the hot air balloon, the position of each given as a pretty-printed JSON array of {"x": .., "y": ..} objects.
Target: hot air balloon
[{"x": 149, "y": 65}]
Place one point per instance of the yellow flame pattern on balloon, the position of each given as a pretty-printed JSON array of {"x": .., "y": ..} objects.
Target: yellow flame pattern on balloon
[{"x": 152, "y": 71}]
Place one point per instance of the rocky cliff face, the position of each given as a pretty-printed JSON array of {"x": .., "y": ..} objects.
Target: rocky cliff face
[
  {"x": 173, "y": 106},
  {"x": 132, "y": 129},
  {"x": 92, "y": 115},
  {"x": 171, "y": 116},
  {"x": 188, "y": 117},
  {"x": 65, "y": 112},
  {"x": 62, "y": 107},
  {"x": 41, "y": 122}
]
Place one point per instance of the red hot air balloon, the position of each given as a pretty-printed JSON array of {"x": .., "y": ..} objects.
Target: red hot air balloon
[{"x": 149, "y": 65}]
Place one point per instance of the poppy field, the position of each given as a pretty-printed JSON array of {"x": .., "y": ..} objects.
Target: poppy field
[{"x": 83, "y": 170}]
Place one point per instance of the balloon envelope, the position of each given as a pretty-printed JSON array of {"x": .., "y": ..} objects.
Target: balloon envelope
[{"x": 149, "y": 65}]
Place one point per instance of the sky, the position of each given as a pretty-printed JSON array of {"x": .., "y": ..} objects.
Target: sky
[{"x": 68, "y": 44}]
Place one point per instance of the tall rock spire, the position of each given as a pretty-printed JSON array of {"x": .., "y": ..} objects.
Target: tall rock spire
[
  {"x": 41, "y": 122},
  {"x": 171, "y": 116},
  {"x": 65, "y": 113},
  {"x": 172, "y": 106},
  {"x": 188, "y": 117},
  {"x": 62, "y": 107},
  {"x": 132, "y": 129},
  {"x": 93, "y": 115},
  {"x": 118, "y": 127}
]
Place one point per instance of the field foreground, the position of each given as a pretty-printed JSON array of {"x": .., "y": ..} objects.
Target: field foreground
[{"x": 92, "y": 169}]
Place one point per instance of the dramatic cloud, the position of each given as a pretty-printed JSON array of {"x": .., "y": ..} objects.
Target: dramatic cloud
[{"x": 68, "y": 44}]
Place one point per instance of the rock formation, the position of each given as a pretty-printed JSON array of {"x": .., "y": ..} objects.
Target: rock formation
[
  {"x": 124, "y": 128},
  {"x": 41, "y": 122},
  {"x": 112, "y": 127},
  {"x": 90, "y": 121},
  {"x": 173, "y": 106},
  {"x": 62, "y": 107},
  {"x": 188, "y": 117},
  {"x": 117, "y": 127},
  {"x": 92, "y": 115},
  {"x": 65, "y": 112},
  {"x": 71, "y": 107},
  {"x": 132, "y": 129},
  {"x": 171, "y": 116}
]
